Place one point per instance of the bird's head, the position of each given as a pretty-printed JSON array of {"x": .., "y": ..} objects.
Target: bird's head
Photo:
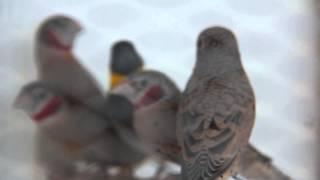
[
  {"x": 58, "y": 33},
  {"x": 216, "y": 38},
  {"x": 146, "y": 88},
  {"x": 39, "y": 101},
  {"x": 217, "y": 52}
]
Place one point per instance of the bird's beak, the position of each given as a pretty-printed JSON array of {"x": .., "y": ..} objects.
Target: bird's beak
[
  {"x": 22, "y": 102},
  {"x": 78, "y": 26},
  {"x": 69, "y": 55},
  {"x": 116, "y": 79}
]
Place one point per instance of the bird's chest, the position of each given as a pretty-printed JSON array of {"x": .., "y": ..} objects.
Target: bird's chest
[
  {"x": 96, "y": 150},
  {"x": 155, "y": 126}
]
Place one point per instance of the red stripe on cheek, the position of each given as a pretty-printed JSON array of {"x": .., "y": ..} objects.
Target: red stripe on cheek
[
  {"x": 50, "y": 108},
  {"x": 152, "y": 95},
  {"x": 54, "y": 40}
]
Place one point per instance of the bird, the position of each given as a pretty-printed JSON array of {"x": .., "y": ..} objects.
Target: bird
[
  {"x": 124, "y": 61},
  {"x": 57, "y": 65},
  {"x": 217, "y": 109},
  {"x": 69, "y": 131},
  {"x": 155, "y": 98},
  {"x": 256, "y": 165},
  {"x": 58, "y": 68}
]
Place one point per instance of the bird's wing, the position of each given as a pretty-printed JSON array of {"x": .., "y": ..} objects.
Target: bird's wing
[
  {"x": 211, "y": 117},
  {"x": 72, "y": 78},
  {"x": 119, "y": 109}
]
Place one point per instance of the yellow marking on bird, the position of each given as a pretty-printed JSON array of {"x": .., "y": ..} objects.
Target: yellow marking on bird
[{"x": 116, "y": 79}]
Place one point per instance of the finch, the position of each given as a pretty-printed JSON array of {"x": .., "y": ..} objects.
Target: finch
[
  {"x": 155, "y": 98},
  {"x": 56, "y": 63},
  {"x": 70, "y": 131}
]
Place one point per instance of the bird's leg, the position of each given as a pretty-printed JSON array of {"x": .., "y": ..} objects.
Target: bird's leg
[
  {"x": 125, "y": 171},
  {"x": 160, "y": 169}
]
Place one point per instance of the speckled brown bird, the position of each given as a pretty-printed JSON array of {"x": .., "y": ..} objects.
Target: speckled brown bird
[
  {"x": 217, "y": 109},
  {"x": 125, "y": 60}
]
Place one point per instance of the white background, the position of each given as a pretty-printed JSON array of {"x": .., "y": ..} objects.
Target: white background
[{"x": 276, "y": 42}]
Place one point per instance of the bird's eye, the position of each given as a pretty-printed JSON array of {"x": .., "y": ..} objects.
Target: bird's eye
[
  {"x": 39, "y": 94},
  {"x": 60, "y": 24},
  {"x": 143, "y": 83},
  {"x": 139, "y": 84}
]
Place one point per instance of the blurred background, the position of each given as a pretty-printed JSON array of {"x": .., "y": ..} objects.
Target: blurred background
[{"x": 276, "y": 39}]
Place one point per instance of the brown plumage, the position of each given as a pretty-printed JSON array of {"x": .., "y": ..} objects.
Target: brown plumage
[{"x": 217, "y": 108}]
